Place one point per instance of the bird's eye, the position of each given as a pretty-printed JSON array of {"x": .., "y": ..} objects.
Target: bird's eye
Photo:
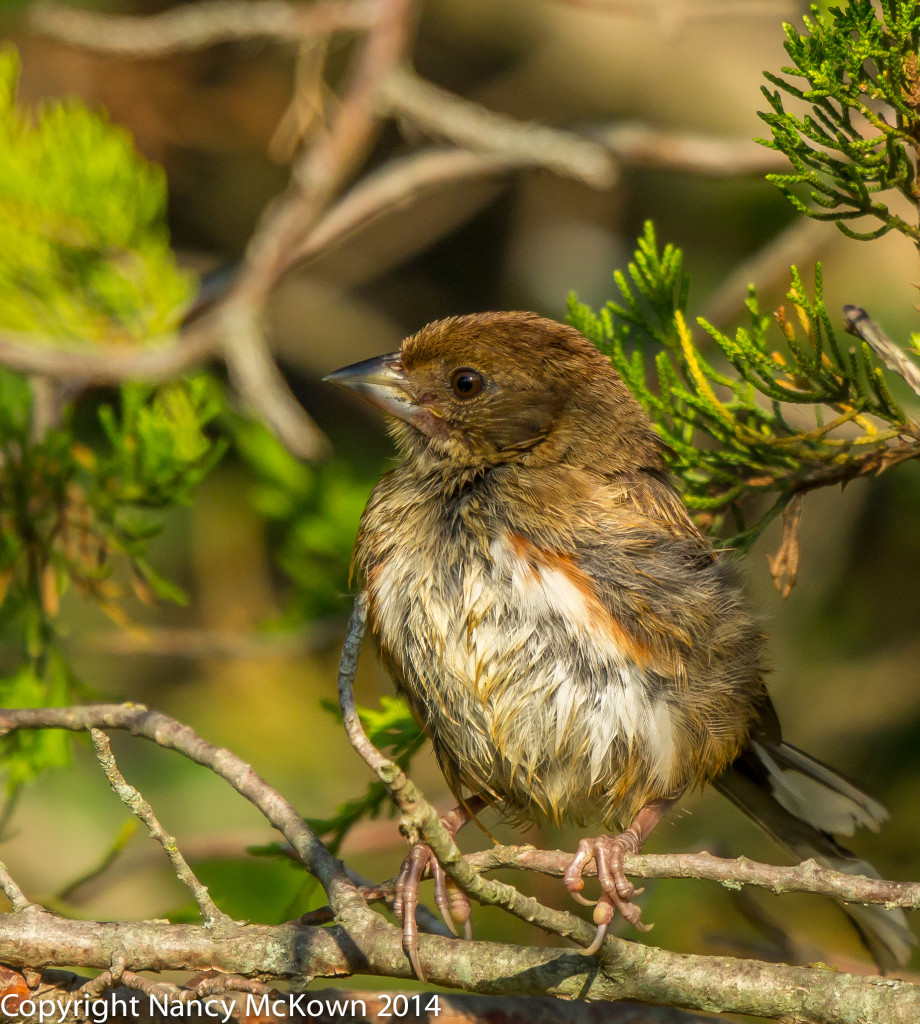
[{"x": 466, "y": 383}]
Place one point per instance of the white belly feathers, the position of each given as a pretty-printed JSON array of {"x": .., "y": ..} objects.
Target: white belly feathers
[{"x": 531, "y": 677}]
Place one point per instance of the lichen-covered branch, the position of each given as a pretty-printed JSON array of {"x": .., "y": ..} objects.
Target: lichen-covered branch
[
  {"x": 138, "y": 806},
  {"x": 292, "y": 952},
  {"x": 199, "y": 24}
]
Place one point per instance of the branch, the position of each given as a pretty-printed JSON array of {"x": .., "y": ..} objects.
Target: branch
[
  {"x": 420, "y": 819},
  {"x": 163, "y": 359},
  {"x": 170, "y": 734},
  {"x": 256, "y": 378},
  {"x": 674, "y": 14},
  {"x": 447, "y": 116},
  {"x": 18, "y": 899},
  {"x": 633, "y": 971},
  {"x": 858, "y": 322},
  {"x": 138, "y": 806},
  {"x": 645, "y": 146},
  {"x": 241, "y": 997},
  {"x": 327, "y": 164},
  {"x": 178, "y": 642},
  {"x": 364, "y": 943},
  {"x": 809, "y": 876},
  {"x": 200, "y": 24}
]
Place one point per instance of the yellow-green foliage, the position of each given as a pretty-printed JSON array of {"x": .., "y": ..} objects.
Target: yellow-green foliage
[{"x": 84, "y": 252}]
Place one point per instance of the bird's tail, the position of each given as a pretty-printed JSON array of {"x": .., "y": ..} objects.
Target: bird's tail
[{"x": 802, "y": 804}]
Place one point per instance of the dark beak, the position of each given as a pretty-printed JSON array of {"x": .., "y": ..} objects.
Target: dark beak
[{"x": 381, "y": 382}]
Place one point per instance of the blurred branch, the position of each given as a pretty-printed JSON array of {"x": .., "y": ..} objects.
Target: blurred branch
[
  {"x": 396, "y": 185},
  {"x": 445, "y": 115},
  {"x": 132, "y": 799},
  {"x": 645, "y": 146},
  {"x": 68, "y": 892},
  {"x": 199, "y": 24},
  {"x": 674, "y": 14},
  {"x": 768, "y": 268},
  {"x": 323, "y": 167},
  {"x": 166, "y": 642},
  {"x": 163, "y": 359},
  {"x": 256, "y": 378}
]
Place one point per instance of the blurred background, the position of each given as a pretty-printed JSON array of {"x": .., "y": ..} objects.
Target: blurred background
[{"x": 265, "y": 558}]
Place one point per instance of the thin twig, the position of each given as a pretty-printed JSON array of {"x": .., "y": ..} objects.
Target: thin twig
[
  {"x": 784, "y": 565},
  {"x": 170, "y": 734},
  {"x": 200, "y": 24},
  {"x": 448, "y": 116},
  {"x": 18, "y": 899},
  {"x": 858, "y": 322},
  {"x": 421, "y": 819},
  {"x": 135, "y": 802},
  {"x": 108, "y": 859}
]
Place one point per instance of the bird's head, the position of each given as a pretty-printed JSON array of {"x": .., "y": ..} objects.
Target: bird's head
[{"x": 491, "y": 388}]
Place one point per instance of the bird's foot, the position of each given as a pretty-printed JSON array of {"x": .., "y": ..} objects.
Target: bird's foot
[
  {"x": 450, "y": 901},
  {"x": 607, "y": 852}
]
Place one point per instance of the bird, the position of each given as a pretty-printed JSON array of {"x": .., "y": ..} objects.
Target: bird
[{"x": 572, "y": 645}]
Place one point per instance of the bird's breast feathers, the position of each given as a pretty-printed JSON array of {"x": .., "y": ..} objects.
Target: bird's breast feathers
[{"x": 528, "y": 686}]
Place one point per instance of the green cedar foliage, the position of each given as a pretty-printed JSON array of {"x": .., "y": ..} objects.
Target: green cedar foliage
[
  {"x": 857, "y": 68},
  {"x": 84, "y": 251},
  {"x": 801, "y": 404}
]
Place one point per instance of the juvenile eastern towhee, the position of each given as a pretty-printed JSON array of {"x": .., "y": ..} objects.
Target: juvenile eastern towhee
[{"x": 565, "y": 636}]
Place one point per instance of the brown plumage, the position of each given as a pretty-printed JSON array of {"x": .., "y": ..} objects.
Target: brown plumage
[{"x": 567, "y": 639}]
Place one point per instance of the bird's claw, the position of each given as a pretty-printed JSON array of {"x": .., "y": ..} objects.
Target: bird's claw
[
  {"x": 607, "y": 852},
  {"x": 450, "y": 901}
]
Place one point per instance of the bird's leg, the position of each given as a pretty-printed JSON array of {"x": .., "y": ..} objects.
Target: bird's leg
[
  {"x": 607, "y": 852},
  {"x": 454, "y": 905}
]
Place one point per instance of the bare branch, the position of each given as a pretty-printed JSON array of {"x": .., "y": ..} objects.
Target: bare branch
[
  {"x": 768, "y": 268},
  {"x": 809, "y": 876},
  {"x": 132, "y": 799},
  {"x": 320, "y": 172},
  {"x": 18, "y": 899},
  {"x": 396, "y": 184},
  {"x": 200, "y": 24},
  {"x": 170, "y": 734},
  {"x": 858, "y": 322},
  {"x": 645, "y": 146},
  {"x": 259, "y": 382},
  {"x": 162, "y": 359},
  {"x": 448, "y": 116},
  {"x": 674, "y": 14},
  {"x": 176, "y": 642}
]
